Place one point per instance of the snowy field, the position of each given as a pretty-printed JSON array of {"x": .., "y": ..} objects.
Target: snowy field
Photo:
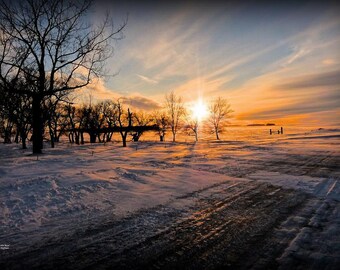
[{"x": 104, "y": 206}]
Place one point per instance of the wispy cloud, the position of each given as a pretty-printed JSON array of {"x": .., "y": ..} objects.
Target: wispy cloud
[
  {"x": 297, "y": 54},
  {"x": 147, "y": 79},
  {"x": 139, "y": 102},
  {"x": 96, "y": 91},
  {"x": 270, "y": 64},
  {"x": 331, "y": 78},
  {"x": 329, "y": 62}
]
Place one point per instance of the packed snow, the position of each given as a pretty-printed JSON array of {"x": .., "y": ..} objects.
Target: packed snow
[{"x": 52, "y": 194}]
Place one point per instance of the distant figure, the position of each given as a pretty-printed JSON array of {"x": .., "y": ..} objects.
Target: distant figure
[
  {"x": 281, "y": 130},
  {"x": 270, "y": 131},
  {"x": 278, "y": 132}
]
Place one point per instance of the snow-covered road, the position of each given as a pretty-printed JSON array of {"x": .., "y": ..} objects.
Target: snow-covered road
[{"x": 161, "y": 205}]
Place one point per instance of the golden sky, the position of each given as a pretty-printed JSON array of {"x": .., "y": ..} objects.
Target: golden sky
[{"x": 275, "y": 62}]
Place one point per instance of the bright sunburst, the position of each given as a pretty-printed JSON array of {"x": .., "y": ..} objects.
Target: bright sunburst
[{"x": 199, "y": 110}]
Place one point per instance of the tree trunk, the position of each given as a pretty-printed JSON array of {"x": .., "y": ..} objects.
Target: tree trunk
[
  {"x": 7, "y": 138},
  {"x": 77, "y": 137},
  {"x": 17, "y": 135},
  {"x": 82, "y": 137},
  {"x": 37, "y": 125},
  {"x": 57, "y": 134},
  {"x": 23, "y": 139},
  {"x": 124, "y": 135},
  {"x": 52, "y": 134},
  {"x": 99, "y": 138},
  {"x": 93, "y": 137},
  {"x": 217, "y": 136},
  {"x": 52, "y": 139},
  {"x": 71, "y": 137},
  {"x": 109, "y": 137}
]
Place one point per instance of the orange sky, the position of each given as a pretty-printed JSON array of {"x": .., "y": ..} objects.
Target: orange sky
[{"x": 275, "y": 63}]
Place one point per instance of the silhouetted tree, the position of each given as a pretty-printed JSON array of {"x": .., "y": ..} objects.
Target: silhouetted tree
[
  {"x": 23, "y": 118},
  {"x": 161, "y": 119},
  {"x": 140, "y": 119},
  {"x": 54, "y": 45},
  {"x": 124, "y": 121},
  {"x": 220, "y": 111},
  {"x": 175, "y": 111},
  {"x": 55, "y": 116},
  {"x": 15, "y": 114},
  {"x": 6, "y": 115},
  {"x": 92, "y": 121},
  {"x": 191, "y": 126},
  {"x": 70, "y": 111},
  {"x": 110, "y": 114},
  {"x": 80, "y": 123}
]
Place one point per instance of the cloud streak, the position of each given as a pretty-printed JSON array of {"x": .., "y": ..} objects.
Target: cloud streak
[
  {"x": 275, "y": 61},
  {"x": 331, "y": 78},
  {"x": 146, "y": 79},
  {"x": 142, "y": 103}
]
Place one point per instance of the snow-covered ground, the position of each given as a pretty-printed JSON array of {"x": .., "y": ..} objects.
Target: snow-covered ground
[{"x": 70, "y": 187}]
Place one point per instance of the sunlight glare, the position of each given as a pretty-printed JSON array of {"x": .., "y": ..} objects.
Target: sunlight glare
[{"x": 199, "y": 110}]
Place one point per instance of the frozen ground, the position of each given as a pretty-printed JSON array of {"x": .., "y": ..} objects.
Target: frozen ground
[{"x": 273, "y": 200}]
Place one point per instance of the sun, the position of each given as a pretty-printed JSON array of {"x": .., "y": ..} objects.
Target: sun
[{"x": 199, "y": 110}]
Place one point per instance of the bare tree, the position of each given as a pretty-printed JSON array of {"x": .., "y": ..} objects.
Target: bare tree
[
  {"x": 15, "y": 114},
  {"x": 161, "y": 119},
  {"x": 140, "y": 119},
  {"x": 110, "y": 115},
  {"x": 80, "y": 122},
  {"x": 93, "y": 121},
  {"x": 175, "y": 110},
  {"x": 71, "y": 123},
  {"x": 6, "y": 115},
  {"x": 54, "y": 46},
  {"x": 220, "y": 111},
  {"x": 56, "y": 118},
  {"x": 124, "y": 121},
  {"x": 191, "y": 126},
  {"x": 22, "y": 118}
]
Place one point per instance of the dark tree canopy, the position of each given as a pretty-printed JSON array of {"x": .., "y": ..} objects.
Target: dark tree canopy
[{"x": 55, "y": 46}]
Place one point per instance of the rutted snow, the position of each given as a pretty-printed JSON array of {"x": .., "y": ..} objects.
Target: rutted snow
[
  {"x": 75, "y": 184},
  {"x": 304, "y": 183},
  {"x": 65, "y": 181}
]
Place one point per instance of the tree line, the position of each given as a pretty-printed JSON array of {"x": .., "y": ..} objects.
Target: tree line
[
  {"x": 48, "y": 49},
  {"x": 102, "y": 119}
]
